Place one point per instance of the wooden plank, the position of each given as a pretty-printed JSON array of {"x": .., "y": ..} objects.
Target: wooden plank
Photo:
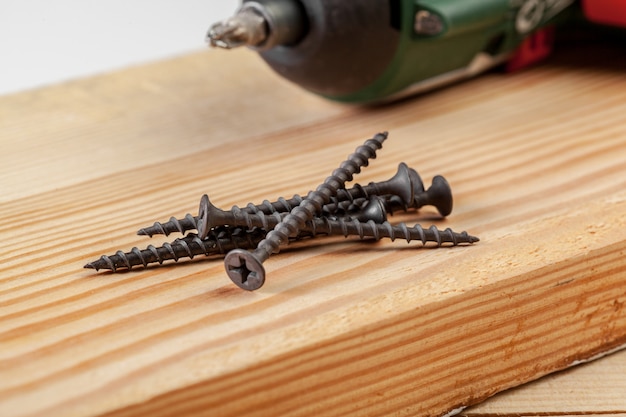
[
  {"x": 536, "y": 162},
  {"x": 170, "y": 110},
  {"x": 596, "y": 387}
]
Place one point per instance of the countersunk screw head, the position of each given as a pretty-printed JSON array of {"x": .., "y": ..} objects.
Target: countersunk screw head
[
  {"x": 405, "y": 184},
  {"x": 440, "y": 195},
  {"x": 244, "y": 269},
  {"x": 373, "y": 210},
  {"x": 203, "y": 224}
]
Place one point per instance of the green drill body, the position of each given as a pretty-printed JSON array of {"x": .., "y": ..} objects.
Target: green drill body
[
  {"x": 475, "y": 35},
  {"x": 362, "y": 51}
]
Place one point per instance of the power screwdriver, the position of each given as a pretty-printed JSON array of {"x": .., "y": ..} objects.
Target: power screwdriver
[{"x": 364, "y": 51}]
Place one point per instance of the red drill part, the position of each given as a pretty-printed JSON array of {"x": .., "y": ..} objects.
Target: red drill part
[
  {"x": 535, "y": 47},
  {"x": 606, "y": 12}
]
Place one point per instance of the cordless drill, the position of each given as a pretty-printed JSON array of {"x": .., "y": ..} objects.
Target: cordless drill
[{"x": 373, "y": 50}]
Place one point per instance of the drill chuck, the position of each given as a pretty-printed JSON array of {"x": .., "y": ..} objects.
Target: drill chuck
[{"x": 331, "y": 47}]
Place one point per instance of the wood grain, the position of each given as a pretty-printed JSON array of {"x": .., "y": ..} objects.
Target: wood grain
[
  {"x": 536, "y": 162},
  {"x": 593, "y": 388}
]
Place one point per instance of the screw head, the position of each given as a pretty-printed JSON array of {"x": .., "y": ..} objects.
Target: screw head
[
  {"x": 441, "y": 195},
  {"x": 415, "y": 181},
  {"x": 374, "y": 210},
  {"x": 405, "y": 183},
  {"x": 244, "y": 269},
  {"x": 202, "y": 224},
  {"x": 403, "y": 180}
]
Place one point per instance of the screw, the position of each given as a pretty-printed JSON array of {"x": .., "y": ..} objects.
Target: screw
[
  {"x": 246, "y": 268},
  {"x": 210, "y": 217},
  {"x": 405, "y": 184},
  {"x": 219, "y": 241},
  {"x": 393, "y": 232},
  {"x": 248, "y": 274}
]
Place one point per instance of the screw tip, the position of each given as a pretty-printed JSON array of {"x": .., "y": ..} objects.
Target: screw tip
[{"x": 90, "y": 266}]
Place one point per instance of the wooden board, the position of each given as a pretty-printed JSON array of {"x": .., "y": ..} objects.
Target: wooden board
[
  {"x": 595, "y": 388},
  {"x": 536, "y": 163}
]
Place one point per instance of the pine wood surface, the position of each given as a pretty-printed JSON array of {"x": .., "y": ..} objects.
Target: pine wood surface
[{"x": 536, "y": 164}]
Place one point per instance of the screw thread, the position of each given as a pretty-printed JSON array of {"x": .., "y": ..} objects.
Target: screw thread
[
  {"x": 211, "y": 217},
  {"x": 314, "y": 201},
  {"x": 354, "y": 194},
  {"x": 336, "y": 207},
  {"x": 219, "y": 242},
  {"x": 387, "y": 230},
  {"x": 174, "y": 225},
  {"x": 239, "y": 217}
]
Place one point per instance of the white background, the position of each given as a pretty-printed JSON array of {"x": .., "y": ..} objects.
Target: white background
[{"x": 48, "y": 41}]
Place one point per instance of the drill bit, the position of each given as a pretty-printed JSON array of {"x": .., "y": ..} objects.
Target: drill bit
[
  {"x": 261, "y": 26},
  {"x": 246, "y": 28}
]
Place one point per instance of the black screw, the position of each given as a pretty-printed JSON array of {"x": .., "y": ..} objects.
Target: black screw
[
  {"x": 219, "y": 242},
  {"x": 210, "y": 217},
  {"x": 246, "y": 268},
  {"x": 405, "y": 184},
  {"x": 247, "y": 273},
  {"x": 392, "y": 232}
]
